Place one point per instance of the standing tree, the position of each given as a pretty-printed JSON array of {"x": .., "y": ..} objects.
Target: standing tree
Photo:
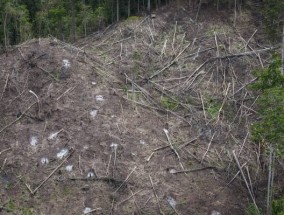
[
  {"x": 273, "y": 13},
  {"x": 269, "y": 129},
  {"x": 117, "y": 10},
  {"x": 73, "y": 15},
  {"x": 15, "y": 22}
]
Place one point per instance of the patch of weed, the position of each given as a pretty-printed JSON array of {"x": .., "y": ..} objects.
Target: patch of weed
[
  {"x": 168, "y": 103},
  {"x": 252, "y": 210},
  {"x": 10, "y": 206},
  {"x": 133, "y": 18},
  {"x": 66, "y": 190},
  {"x": 213, "y": 108},
  {"x": 27, "y": 211}
]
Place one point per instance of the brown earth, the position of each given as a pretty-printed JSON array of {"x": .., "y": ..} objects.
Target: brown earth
[{"x": 106, "y": 98}]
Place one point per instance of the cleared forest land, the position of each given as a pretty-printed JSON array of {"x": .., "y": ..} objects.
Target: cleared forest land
[{"x": 150, "y": 116}]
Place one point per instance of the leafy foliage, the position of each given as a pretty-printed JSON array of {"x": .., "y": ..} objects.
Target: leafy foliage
[
  {"x": 213, "y": 106},
  {"x": 252, "y": 210},
  {"x": 278, "y": 207},
  {"x": 270, "y": 127},
  {"x": 68, "y": 19},
  {"x": 273, "y": 18},
  {"x": 65, "y": 19}
]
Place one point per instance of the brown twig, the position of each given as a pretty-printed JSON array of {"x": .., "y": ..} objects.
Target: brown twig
[
  {"x": 38, "y": 103},
  {"x": 132, "y": 195},
  {"x": 137, "y": 207},
  {"x": 169, "y": 64},
  {"x": 47, "y": 72},
  {"x": 5, "y": 86},
  {"x": 156, "y": 196},
  {"x": 3, "y": 165},
  {"x": 126, "y": 179},
  {"x": 208, "y": 147},
  {"x": 247, "y": 185},
  {"x": 11, "y": 123},
  {"x": 29, "y": 188},
  {"x": 69, "y": 90},
  {"x": 5, "y": 150},
  {"x": 114, "y": 181},
  {"x": 172, "y": 147},
  {"x": 236, "y": 174},
  {"x": 79, "y": 164},
  {"x": 195, "y": 170},
  {"x": 223, "y": 103},
  {"x": 187, "y": 143}
]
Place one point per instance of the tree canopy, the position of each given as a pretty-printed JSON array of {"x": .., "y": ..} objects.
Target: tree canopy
[{"x": 270, "y": 126}]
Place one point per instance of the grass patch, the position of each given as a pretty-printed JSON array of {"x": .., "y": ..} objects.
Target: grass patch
[
  {"x": 252, "y": 210},
  {"x": 213, "y": 107},
  {"x": 168, "y": 103}
]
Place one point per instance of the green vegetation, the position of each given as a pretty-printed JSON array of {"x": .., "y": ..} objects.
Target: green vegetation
[
  {"x": 67, "y": 20},
  {"x": 13, "y": 208},
  {"x": 252, "y": 210},
  {"x": 27, "y": 211},
  {"x": 213, "y": 108},
  {"x": 270, "y": 127},
  {"x": 278, "y": 206},
  {"x": 273, "y": 18},
  {"x": 10, "y": 206},
  {"x": 168, "y": 103}
]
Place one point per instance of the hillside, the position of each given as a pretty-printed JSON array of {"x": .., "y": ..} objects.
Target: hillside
[{"x": 149, "y": 116}]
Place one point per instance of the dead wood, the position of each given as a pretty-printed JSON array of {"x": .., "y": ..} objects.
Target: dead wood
[
  {"x": 49, "y": 176},
  {"x": 16, "y": 120},
  {"x": 110, "y": 180},
  {"x": 196, "y": 170}
]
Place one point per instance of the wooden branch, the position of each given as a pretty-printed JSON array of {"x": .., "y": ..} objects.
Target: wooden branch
[
  {"x": 250, "y": 38},
  {"x": 189, "y": 142},
  {"x": 172, "y": 147},
  {"x": 243, "y": 53},
  {"x": 132, "y": 195},
  {"x": 225, "y": 57},
  {"x": 236, "y": 174},
  {"x": 208, "y": 147},
  {"x": 171, "y": 63},
  {"x": 247, "y": 185},
  {"x": 147, "y": 95},
  {"x": 48, "y": 177},
  {"x": 246, "y": 84},
  {"x": 68, "y": 90},
  {"x": 195, "y": 170},
  {"x": 11, "y": 123},
  {"x": 5, "y": 150},
  {"x": 121, "y": 40},
  {"x": 105, "y": 179},
  {"x": 6, "y": 83},
  {"x": 223, "y": 103},
  {"x": 48, "y": 73},
  {"x": 38, "y": 103},
  {"x": 156, "y": 196},
  {"x": 126, "y": 179}
]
